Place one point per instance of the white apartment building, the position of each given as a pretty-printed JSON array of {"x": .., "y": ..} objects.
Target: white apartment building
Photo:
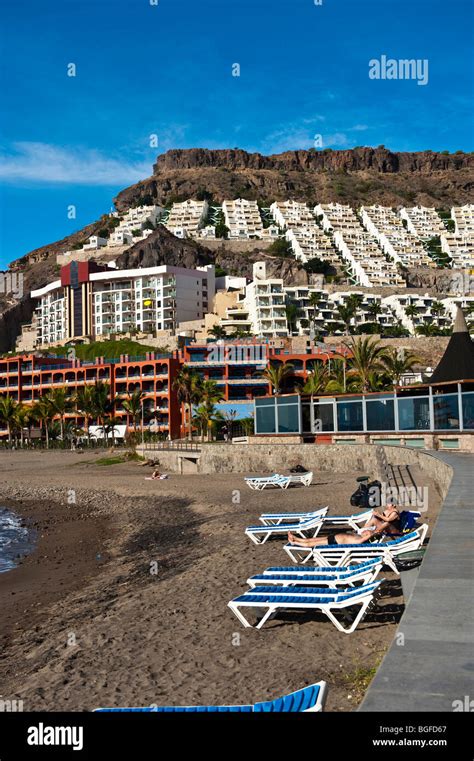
[
  {"x": 460, "y": 248},
  {"x": 243, "y": 219},
  {"x": 363, "y": 258},
  {"x": 187, "y": 218},
  {"x": 291, "y": 214},
  {"x": 306, "y": 238},
  {"x": 424, "y": 309},
  {"x": 95, "y": 242},
  {"x": 50, "y": 315},
  {"x": 265, "y": 304},
  {"x": 402, "y": 246},
  {"x": 423, "y": 221},
  {"x": 463, "y": 219},
  {"x": 92, "y": 303}
]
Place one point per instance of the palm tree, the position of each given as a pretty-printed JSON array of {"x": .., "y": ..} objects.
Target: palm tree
[
  {"x": 316, "y": 381},
  {"x": 60, "y": 404},
  {"x": 430, "y": 329},
  {"x": 367, "y": 359},
  {"x": 345, "y": 313},
  {"x": 292, "y": 312},
  {"x": 411, "y": 311},
  {"x": 133, "y": 405},
  {"x": 8, "y": 407},
  {"x": 437, "y": 308},
  {"x": 375, "y": 309},
  {"x": 397, "y": 363},
  {"x": 42, "y": 412},
  {"x": 314, "y": 303},
  {"x": 22, "y": 420},
  {"x": 217, "y": 331},
  {"x": 102, "y": 405},
  {"x": 209, "y": 395},
  {"x": 187, "y": 385},
  {"x": 276, "y": 375},
  {"x": 85, "y": 405},
  {"x": 204, "y": 416}
]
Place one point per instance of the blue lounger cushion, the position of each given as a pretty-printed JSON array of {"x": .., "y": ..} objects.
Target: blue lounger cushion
[{"x": 301, "y": 700}]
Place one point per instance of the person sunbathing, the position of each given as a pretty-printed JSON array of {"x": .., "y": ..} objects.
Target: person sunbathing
[
  {"x": 156, "y": 476},
  {"x": 378, "y": 524}
]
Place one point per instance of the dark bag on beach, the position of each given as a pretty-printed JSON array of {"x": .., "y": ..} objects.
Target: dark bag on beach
[
  {"x": 367, "y": 495},
  {"x": 298, "y": 469}
]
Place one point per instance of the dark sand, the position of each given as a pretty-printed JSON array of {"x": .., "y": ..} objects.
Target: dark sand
[{"x": 85, "y": 622}]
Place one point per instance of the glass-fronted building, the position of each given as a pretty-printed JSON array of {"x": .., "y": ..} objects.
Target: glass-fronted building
[{"x": 431, "y": 408}]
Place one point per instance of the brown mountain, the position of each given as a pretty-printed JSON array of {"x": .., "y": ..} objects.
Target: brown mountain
[{"x": 356, "y": 176}]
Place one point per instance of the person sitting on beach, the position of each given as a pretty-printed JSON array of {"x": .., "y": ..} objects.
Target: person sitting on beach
[
  {"x": 387, "y": 522},
  {"x": 156, "y": 476}
]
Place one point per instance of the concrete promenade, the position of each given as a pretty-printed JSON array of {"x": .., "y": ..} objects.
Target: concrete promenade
[{"x": 435, "y": 665}]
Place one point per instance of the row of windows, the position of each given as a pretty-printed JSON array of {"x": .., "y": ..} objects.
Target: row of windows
[{"x": 290, "y": 415}]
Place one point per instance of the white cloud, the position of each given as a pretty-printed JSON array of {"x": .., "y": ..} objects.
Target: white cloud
[{"x": 41, "y": 162}]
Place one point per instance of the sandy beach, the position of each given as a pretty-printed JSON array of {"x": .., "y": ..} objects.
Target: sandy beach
[{"x": 124, "y": 599}]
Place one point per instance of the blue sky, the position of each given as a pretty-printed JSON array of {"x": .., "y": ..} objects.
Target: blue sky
[{"x": 166, "y": 69}]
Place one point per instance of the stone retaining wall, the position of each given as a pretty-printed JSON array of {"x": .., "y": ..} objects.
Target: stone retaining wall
[{"x": 273, "y": 458}]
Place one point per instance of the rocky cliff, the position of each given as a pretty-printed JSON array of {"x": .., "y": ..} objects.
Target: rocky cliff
[{"x": 357, "y": 176}]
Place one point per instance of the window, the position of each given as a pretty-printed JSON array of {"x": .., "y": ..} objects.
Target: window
[
  {"x": 446, "y": 411},
  {"x": 288, "y": 415},
  {"x": 349, "y": 416},
  {"x": 414, "y": 414},
  {"x": 324, "y": 417},
  {"x": 265, "y": 417},
  {"x": 468, "y": 410},
  {"x": 380, "y": 415}
]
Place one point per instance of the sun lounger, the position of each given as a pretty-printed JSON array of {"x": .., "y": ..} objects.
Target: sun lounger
[
  {"x": 301, "y": 478},
  {"x": 332, "y": 576},
  {"x": 345, "y": 554},
  {"x": 260, "y": 534},
  {"x": 276, "y": 519},
  {"x": 260, "y": 483},
  {"x": 308, "y": 700},
  {"x": 329, "y": 601}
]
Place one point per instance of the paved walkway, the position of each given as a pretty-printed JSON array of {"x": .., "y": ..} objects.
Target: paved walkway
[{"x": 435, "y": 666}]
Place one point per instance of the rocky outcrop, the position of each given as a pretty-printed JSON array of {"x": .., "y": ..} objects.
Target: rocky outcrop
[
  {"x": 11, "y": 320},
  {"x": 161, "y": 247},
  {"x": 357, "y": 176},
  {"x": 353, "y": 160}
]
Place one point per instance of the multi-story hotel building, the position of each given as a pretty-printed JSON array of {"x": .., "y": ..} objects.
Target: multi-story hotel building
[
  {"x": 92, "y": 301},
  {"x": 29, "y": 377}
]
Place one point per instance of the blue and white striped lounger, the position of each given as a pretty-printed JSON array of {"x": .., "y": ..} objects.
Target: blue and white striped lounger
[
  {"x": 332, "y": 576},
  {"x": 260, "y": 534},
  {"x": 273, "y": 599},
  {"x": 275, "y": 519},
  {"x": 345, "y": 554},
  {"x": 308, "y": 700}
]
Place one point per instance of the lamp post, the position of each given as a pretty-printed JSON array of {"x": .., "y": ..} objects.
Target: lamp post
[{"x": 143, "y": 425}]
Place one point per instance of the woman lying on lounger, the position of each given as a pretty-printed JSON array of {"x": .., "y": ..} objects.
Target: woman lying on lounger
[{"x": 387, "y": 522}]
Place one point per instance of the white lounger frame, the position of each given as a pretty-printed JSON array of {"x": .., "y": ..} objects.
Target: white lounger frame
[
  {"x": 363, "y": 598},
  {"x": 342, "y": 555},
  {"x": 352, "y": 521},
  {"x": 260, "y": 534}
]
